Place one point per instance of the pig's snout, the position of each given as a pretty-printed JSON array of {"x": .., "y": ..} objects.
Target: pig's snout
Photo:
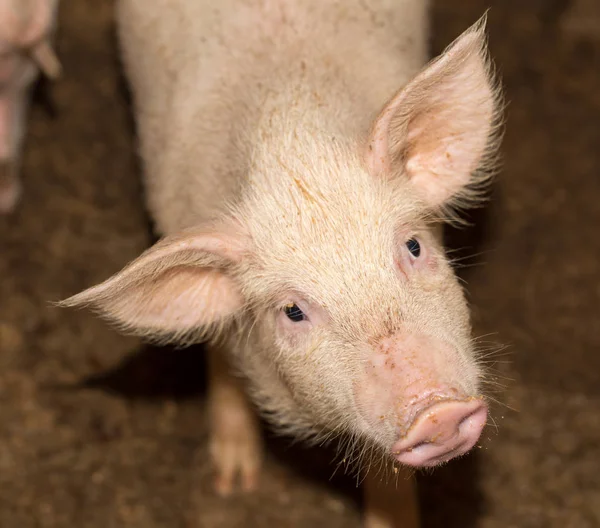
[
  {"x": 417, "y": 397},
  {"x": 441, "y": 432}
]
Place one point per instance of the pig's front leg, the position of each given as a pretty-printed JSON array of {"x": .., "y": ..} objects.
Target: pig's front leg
[
  {"x": 13, "y": 107},
  {"x": 10, "y": 186},
  {"x": 391, "y": 503},
  {"x": 235, "y": 440}
]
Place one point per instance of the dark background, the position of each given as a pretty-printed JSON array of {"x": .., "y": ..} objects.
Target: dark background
[{"x": 99, "y": 431}]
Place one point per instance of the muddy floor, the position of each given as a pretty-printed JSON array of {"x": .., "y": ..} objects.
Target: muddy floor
[{"x": 100, "y": 431}]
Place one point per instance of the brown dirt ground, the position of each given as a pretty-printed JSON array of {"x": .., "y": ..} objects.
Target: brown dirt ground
[{"x": 99, "y": 431}]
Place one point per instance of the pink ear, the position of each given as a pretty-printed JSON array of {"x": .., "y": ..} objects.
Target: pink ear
[
  {"x": 439, "y": 129},
  {"x": 181, "y": 285}
]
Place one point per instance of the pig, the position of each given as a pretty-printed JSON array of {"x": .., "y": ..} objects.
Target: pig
[
  {"x": 26, "y": 31},
  {"x": 300, "y": 159}
]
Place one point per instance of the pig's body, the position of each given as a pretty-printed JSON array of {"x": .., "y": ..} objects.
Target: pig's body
[
  {"x": 295, "y": 185},
  {"x": 26, "y": 28},
  {"x": 212, "y": 79}
]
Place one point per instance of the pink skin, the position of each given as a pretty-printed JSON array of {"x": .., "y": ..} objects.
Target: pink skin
[{"x": 24, "y": 51}]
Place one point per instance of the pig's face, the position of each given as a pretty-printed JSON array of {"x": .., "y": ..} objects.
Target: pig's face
[
  {"x": 348, "y": 315},
  {"x": 357, "y": 317}
]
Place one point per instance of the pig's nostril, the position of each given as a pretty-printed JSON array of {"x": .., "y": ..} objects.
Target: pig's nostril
[
  {"x": 473, "y": 423},
  {"x": 465, "y": 423},
  {"x": 418, "y": 445}
]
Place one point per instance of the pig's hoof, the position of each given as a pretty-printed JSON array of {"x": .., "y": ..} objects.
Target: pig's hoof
[
  {"x": 236, "y": 453},
  {"x": 10, "y": 193}
]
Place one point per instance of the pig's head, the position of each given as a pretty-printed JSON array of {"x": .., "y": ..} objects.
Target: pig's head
[{"x": 327, "y": 277}]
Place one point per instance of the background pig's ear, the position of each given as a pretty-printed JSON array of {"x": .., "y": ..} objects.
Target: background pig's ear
[
  {"x": 180, "y": 289},
  {"x": 439, "y": 130}
]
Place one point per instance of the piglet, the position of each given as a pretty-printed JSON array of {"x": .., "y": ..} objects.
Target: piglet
[
  {"x": 299, "y": 159},
  {"x": 26, "y": 28}
]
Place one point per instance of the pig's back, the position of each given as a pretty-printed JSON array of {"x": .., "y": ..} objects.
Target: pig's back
[{"x": 200, "y": 71}]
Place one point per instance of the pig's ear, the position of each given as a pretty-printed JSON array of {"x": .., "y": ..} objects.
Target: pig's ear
[
  {"x": 181, "y": 289},
  {"x": 439, "y": 130}
]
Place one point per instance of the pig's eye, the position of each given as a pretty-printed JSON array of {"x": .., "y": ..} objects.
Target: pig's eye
[
  {"x": 414, "y": 247},
  {"x": 294, "y": 313}
]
